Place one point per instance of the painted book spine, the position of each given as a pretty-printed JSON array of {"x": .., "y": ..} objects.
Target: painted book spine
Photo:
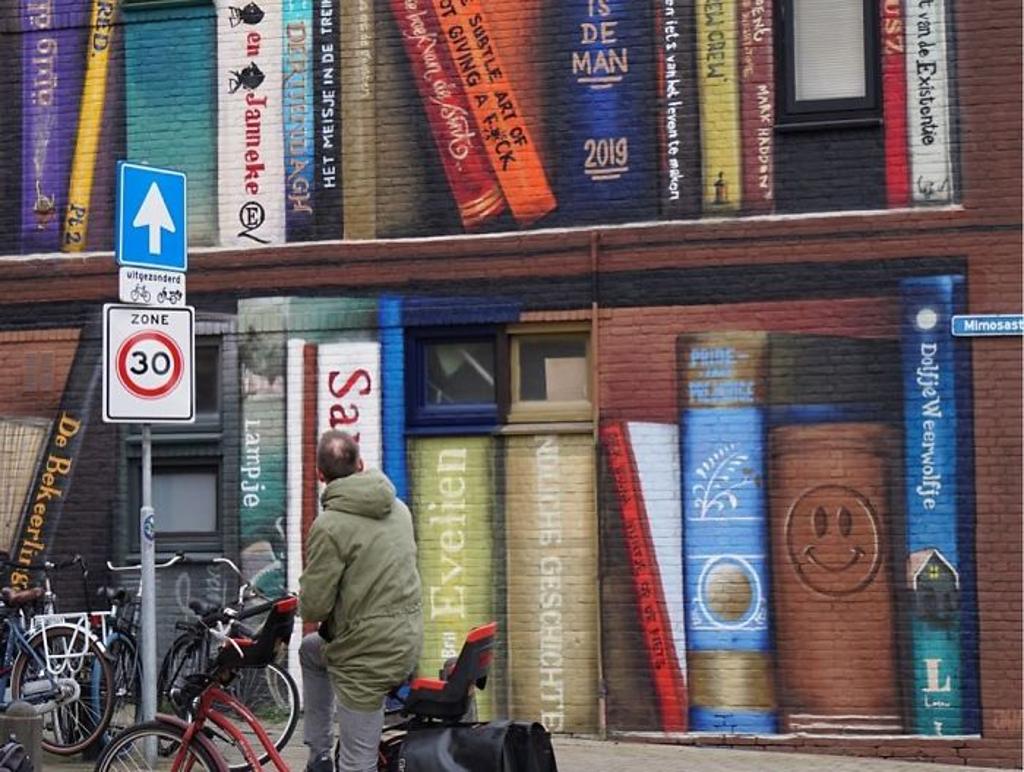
[
  {"x": 831, "y": 532},
  {"x": 679, "y": 117},
  {"x": 193, "y": 146},
  {"x": 263, "y": 494},
  {"x": 100, "y": 233},
  {"x": 939, "y": 503},
  {"x": 250, "y": 153},
  {"x": 608, "y": 167},
  {"x": 551, "y": 585},
  {"x": 358, "y": 116},
  {"x": 348, "y": 394},
  {"x": 471, "y": 180},
  {"x": 392, "y": 355},
  {"x": 54, "y": 474},
  {"x": 894, "y": 103},
  {"x": 929, "y": 109},
  {"x": 52, "y": 58},
  {"x": 658, "y": 639},
  {"x": 327, "y": 208},
  {"x": 452, "y": 483},
  {"x": 494, "y": 102},
  {"x": 757, "y": 105},
  {"x": 298, "y": 107},
  {"x": 90, "y": 125},
  {"x": 719, "y": 104},
  {"x": 725, "y": 533}
]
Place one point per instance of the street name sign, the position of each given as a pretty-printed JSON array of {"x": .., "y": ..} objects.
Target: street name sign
[
  {"x": 152, "y": 227},
  {"x": 148, "y": 373},
  {"x": 148, "y": 286},
  {"x": 987, "y": 324}
]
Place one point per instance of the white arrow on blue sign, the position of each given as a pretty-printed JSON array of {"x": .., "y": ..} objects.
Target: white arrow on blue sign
[{"x": 152, "y": 229}]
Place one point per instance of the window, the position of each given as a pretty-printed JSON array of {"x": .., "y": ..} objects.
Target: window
[
  {"x": 829, "y": 61},
  {"x": 189, "y": 475},
  {"x": 550, "y": 373},
  {"x": 454, "y": 377}
]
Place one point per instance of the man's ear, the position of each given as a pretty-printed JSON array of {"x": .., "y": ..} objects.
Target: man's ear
[
  {"x": 320, "y": 476},
  {"x": 359, "y": 466}
]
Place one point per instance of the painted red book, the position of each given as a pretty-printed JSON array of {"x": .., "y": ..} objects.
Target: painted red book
[
  {"x": 894, "y": 104},
  {"x": 668, "y": 681},
  {"x": 757, "y": 105},
  {"x": 471, "y": 178}
]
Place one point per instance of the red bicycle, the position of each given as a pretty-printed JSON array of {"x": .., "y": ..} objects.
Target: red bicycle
[{"x": 176, "y": 745}]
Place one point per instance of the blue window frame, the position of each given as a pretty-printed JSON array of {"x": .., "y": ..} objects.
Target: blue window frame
[{"x": 456, "y": 378}]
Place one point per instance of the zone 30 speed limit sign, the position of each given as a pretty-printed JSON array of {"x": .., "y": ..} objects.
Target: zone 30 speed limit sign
[{"x": 147, "y": 364}]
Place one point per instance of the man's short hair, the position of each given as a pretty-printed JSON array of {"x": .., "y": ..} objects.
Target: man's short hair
[{"x": 337, "y": 454}]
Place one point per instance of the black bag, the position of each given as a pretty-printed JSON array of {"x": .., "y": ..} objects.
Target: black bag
[
  {"x": 498, "y": 746},
  {"x": 13, "y": 757}
]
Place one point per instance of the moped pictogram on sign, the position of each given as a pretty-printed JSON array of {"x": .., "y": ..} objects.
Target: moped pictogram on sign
[{"x": 147, "y": 369}]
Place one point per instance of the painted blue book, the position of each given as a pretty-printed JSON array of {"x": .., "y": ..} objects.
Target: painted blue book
[
  {"x": 939, "y": 502},
  {"x": 297, "y": 101},
  {"x": 392, "y": 356},
  {"x": 725, "y": 544},
  {"x": 609, "y": 146}
]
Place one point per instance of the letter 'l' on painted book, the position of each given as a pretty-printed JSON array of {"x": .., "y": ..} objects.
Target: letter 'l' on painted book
[
  {"x": 552, "y": 580},
  {"x": 637, "y": 460},
  {"x": 90, "y": 125},
  {"x": 53, "y": 38},
  {"x": 608, "y": 169},
  {"x": 495, "y": 104},
  {"x": 471, "y": 180},
  {"x": 452, "y": 495},
  {"x": 719, "y": 104},
  {"x": 725, "y": 532},
  {"x": 250, "y": 152},
  {"x": 939, "y": 501}
]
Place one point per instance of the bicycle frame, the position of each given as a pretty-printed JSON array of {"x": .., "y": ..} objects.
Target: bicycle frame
[
  {"x": 17, "y": 642},
  {"x": 206, "y": 712}
]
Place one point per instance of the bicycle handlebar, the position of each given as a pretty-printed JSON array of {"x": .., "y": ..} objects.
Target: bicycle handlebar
[
  {"x": 178, "y": 557},
  {"x": 46, "y": 565}
]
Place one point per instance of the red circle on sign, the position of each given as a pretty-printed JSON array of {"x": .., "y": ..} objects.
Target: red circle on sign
[{"x": 174, "y": 373}]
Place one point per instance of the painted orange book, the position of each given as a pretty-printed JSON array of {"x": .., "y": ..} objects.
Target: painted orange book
[{"x": 496, "y": 109}]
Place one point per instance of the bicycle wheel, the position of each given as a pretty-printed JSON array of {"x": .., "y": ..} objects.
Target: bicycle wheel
[
  {"x": 67, "y": 654},
  {"x": 186, "y": 655},
  {"x": 124, "y": 658},
  {"x": 271, "y": 694},
  {"x": 127, "y": 751}
]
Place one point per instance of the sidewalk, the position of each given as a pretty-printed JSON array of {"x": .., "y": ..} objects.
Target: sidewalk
[{"x": 574, "y": 755}]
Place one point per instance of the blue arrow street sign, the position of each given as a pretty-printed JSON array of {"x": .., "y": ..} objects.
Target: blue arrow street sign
[
  {"x": 988, "y": 324},
  {"x": 152, "y": 231}
]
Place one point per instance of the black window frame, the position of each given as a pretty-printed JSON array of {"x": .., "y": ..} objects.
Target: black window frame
[
  {"x": 424, "y": 418},
  {"x": 859, "y": 111},
  {"x": 198, "y": 445}
]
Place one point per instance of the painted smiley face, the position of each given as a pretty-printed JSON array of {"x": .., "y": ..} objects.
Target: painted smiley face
[{"x": 833, "y": 539}]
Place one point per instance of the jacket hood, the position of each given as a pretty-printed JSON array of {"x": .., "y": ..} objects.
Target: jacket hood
[{"x": 367, "y": 494}]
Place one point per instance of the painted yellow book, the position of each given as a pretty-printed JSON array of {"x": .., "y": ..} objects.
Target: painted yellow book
[
  {"x": 719, "y": 104},
  {"x": 452, "y": 495},
  {"x": 90, "y": 123}
]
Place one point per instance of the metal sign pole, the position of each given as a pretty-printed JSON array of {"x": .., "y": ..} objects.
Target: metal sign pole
[{"x": 147, "y": 548}]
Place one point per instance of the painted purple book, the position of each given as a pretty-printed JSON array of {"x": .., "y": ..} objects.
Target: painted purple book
[{"x": 53, "y": 64}]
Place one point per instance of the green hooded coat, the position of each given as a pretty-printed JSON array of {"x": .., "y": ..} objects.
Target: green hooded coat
[{"x": 361, "y": 580}]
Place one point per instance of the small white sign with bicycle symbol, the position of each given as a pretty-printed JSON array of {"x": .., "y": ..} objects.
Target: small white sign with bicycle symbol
[
  {"x": 150, "y": 287},
  {"x": 147, "y": 364}
]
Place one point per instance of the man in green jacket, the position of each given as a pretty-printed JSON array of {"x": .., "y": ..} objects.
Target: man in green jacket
[{"x": 362, "y": 586}]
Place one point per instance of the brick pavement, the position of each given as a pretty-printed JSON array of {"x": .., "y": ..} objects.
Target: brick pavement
[{"x": 579, "y": 755}]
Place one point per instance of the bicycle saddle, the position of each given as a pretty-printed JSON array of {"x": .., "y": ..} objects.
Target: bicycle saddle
[
  {"x": 202, "y": 608},
  {"x": 15, "y": 598},
  {"x": 112, "y": 594}
]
